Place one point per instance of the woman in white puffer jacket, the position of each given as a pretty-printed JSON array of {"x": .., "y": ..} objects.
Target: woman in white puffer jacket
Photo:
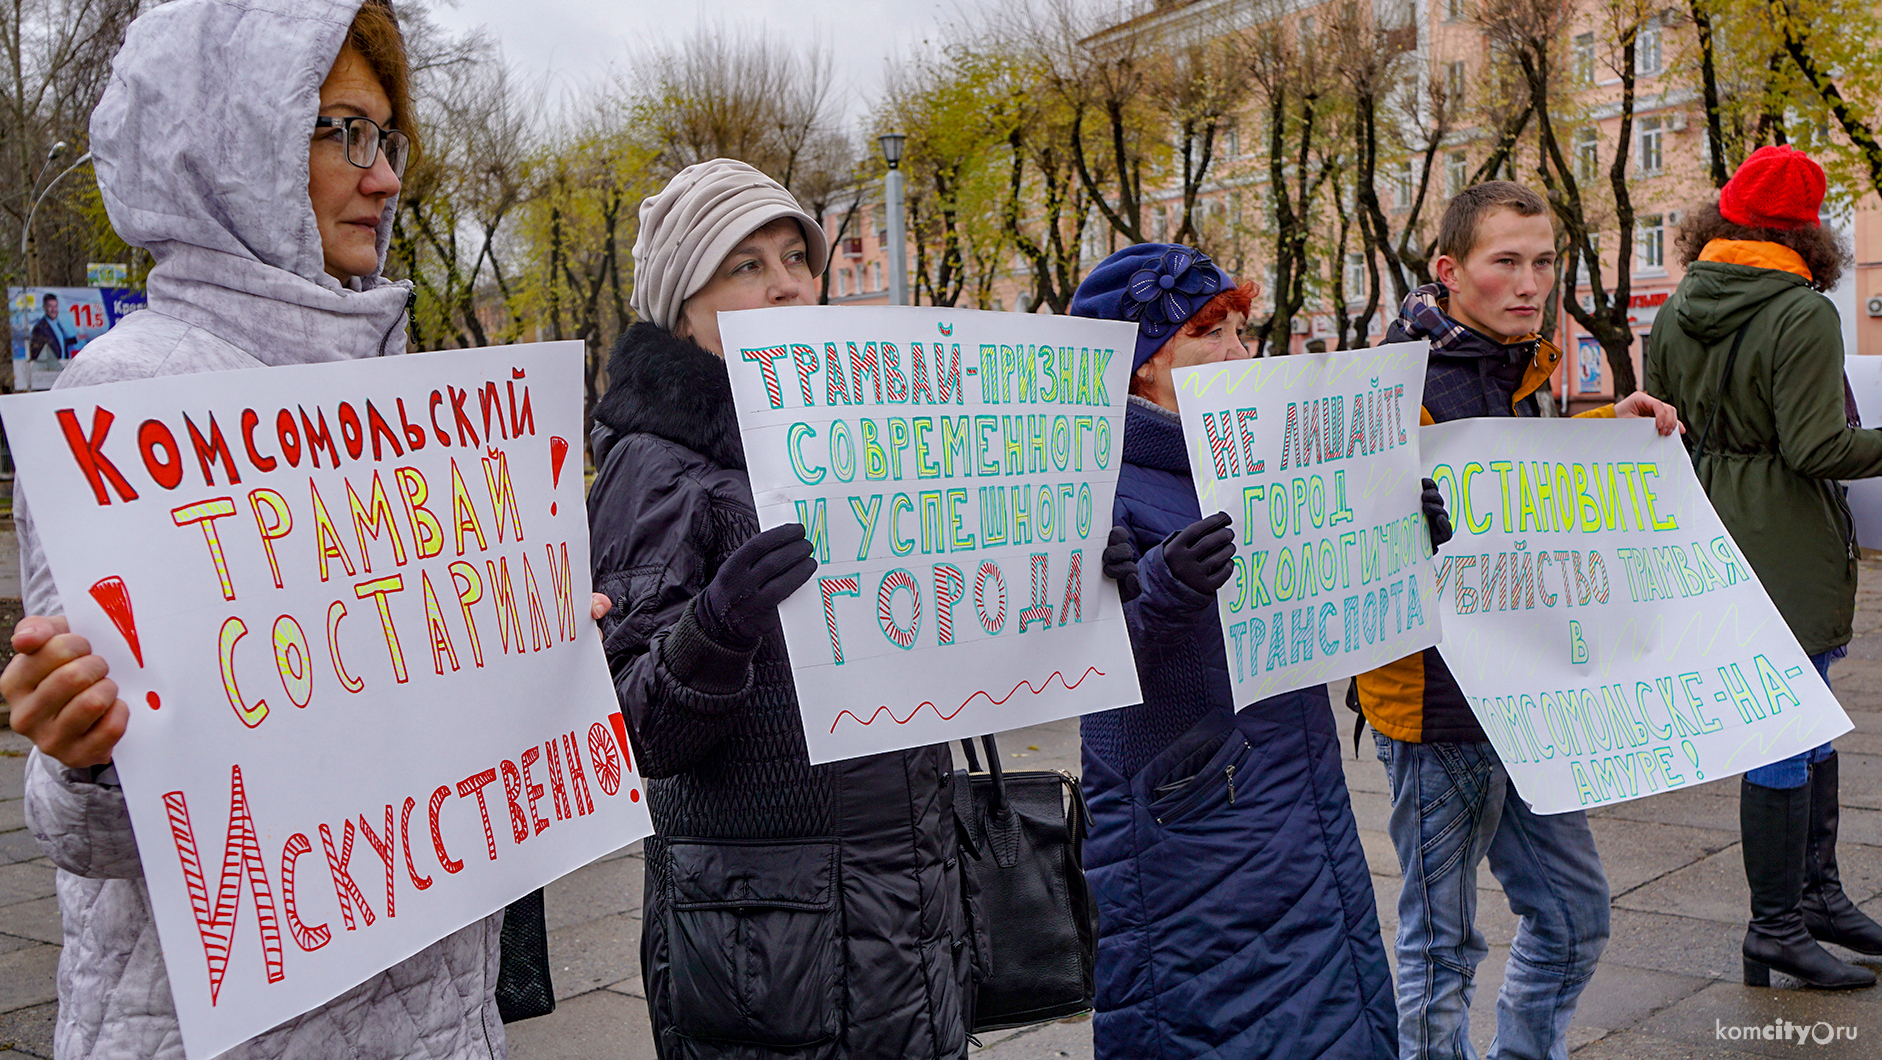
[{"x": 268, "y": 230}]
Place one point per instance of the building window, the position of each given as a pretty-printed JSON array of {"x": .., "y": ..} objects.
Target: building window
[
  {"x": 878, "y": 268},
  {"x": 1456, "y": 171},
  {"x": 1647, "y": 57},
  {"x": 1652, "y": 136},
  {"x": 1402, "y": 185},
  {"x": 1355, "y": 279},
  {"x": 1584, "y": 58},
  {"x": 839, "y": 282},
  {"x": 1453, "y": 10},
  {"x": 1587, "y": 155},
  {"x": 1650, "y": 241},
  {"x": 1454, "y": 74},
  {"x": 1306, "y": 33},
  {"x": 1231, "y": 140}
]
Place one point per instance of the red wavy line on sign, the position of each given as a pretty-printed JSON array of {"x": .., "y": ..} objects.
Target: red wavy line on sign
[{"x": 1089, "y": 670}]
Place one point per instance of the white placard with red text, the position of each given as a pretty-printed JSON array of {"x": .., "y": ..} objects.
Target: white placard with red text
[{"x": 349, "y": 607}]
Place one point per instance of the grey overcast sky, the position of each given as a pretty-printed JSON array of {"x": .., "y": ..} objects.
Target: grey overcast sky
[{"x": 580, "y": 42}]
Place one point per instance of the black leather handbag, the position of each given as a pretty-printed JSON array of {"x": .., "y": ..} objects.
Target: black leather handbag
[{"x": 1025, "y": 833}]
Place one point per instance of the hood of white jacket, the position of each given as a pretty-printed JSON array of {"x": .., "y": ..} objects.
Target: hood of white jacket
[{"x": 200, "y": 144}]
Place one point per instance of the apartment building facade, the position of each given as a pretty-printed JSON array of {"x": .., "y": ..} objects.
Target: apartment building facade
[{"x": 1442, "y": 50}]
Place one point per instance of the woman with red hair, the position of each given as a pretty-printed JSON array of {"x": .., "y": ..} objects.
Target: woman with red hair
[{"x": 1235, "y": 910}]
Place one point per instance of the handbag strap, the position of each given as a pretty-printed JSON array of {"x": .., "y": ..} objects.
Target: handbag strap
[
  {"x": 997, "y": 806},
  {"x": 973, "y": 757},
  {"x": 996, "y": 803},
  {"x": 1731, "y": 358}
]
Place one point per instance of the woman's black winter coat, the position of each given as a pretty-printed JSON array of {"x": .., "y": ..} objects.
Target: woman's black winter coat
[{"x": 791, "y": 910}]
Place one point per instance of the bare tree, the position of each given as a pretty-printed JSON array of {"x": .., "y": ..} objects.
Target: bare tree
[
  {"x": 1530, "y": 34},
  {"x": 735, "y": 93},
  {"x": 1290, "y": 88},
  {"x": 57, "y": 56},
  {"x": 481, "y": 130}
]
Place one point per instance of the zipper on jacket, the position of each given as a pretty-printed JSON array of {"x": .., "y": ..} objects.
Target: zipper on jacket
[
  {"x": 411, "y": 299},
  {"x": 1231, "y": 776}
]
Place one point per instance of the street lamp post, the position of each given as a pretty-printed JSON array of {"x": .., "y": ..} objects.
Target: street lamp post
[
  {"x": 26, "y": 231},
  {"x": 891, "y": 144}
]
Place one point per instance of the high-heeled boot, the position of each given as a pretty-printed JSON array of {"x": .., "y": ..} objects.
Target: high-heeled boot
[
  {"x": 1828, "y": 913},
  {"x": 1774, "y": 823}
]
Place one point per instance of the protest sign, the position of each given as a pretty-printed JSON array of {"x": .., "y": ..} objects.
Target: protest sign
[
  {"x": 1315, "y": 459},
  {"x": 349, "y": 607},
  {"x": 1864, "y": 374},
  {"x": 955, "y": 471},
  {"x": 1608, "y": 633}
]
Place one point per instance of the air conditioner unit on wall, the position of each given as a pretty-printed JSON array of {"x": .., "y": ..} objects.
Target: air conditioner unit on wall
[
  {"x": 1676, "y": 122},
  {"x": 1874, "y": 305},
  {"x": 1300, "y": 325},
  {"x": 1674, "y": 217}
]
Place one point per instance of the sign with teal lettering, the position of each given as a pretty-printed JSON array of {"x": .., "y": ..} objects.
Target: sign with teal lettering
[
  {"x": 1315, "y": 459},
  {"x": 1608, "y": 633},
  {"x": 954, "y": 470}
]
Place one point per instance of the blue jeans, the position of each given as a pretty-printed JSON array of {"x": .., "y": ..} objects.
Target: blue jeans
[
  {"x": 1794, "y": 772},
  {"x": 1452, "y": 806}
]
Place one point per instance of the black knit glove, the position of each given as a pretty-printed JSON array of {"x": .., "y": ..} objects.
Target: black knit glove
[
  {"x": 752, "y": 582},
  {"x": 1198, "y": 554},
  {"x": 1437, "y": 520},
  {"x": 1120, "y": 564}
]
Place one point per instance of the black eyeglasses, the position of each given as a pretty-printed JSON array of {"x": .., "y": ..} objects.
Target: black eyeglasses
[{"x": 365, "y": 139}]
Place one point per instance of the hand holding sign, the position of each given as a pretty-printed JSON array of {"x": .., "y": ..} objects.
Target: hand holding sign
[
  {"x": 1199, "y": 554},
  {"x": 744, "y": 595},
  {"x": 59, "y": 694}
]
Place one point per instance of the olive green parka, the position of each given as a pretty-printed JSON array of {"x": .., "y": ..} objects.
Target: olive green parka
[{"x": 1782, "y": 438}]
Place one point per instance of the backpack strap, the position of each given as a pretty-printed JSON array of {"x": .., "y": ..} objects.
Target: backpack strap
[{"x": 1731, "y": 358}]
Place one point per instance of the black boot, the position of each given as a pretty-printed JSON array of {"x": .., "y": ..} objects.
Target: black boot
[
  {"x": 1828, "y": 912},
  {"x": 1774, "y": 823}
]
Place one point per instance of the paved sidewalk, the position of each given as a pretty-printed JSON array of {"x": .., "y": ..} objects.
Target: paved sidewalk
[{"x": 1668, "y": 982}]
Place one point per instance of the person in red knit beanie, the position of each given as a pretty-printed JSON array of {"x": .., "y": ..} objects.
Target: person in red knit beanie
[
  {"x": 1771, "y": 462},
  {"x": 1777, "y": 187}
]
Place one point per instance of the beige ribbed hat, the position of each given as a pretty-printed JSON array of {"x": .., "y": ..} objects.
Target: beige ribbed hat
[{"x": 695, "y": 221}]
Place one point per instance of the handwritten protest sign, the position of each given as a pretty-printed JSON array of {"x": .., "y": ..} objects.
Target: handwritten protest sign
[
  {"x": 349, "y": 606},
  {"x": 1610, "y": 636},
  {"x": 955, "y": 472},
  {"x": 1864, "y": 374},
  {"x": 1315, "y": 459}
]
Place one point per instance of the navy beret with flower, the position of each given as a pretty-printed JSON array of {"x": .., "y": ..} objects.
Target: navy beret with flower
[{"x": 1156, "y": 286}]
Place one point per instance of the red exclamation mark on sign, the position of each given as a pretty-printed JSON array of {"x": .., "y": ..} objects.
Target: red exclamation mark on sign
[
  {"x": 115, "y": 599},
  {"x": 558, "y": 451},
  {"x": 620, "y": 737}
]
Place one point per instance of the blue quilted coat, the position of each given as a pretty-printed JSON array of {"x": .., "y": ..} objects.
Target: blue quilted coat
[{"x": 1235, "y": 911}]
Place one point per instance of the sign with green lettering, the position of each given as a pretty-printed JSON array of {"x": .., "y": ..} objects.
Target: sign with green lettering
[
  {"x": 955, "y": 471},
  {"x": 1610, "y": 636},
  {"x": 1315, "y": 459}
]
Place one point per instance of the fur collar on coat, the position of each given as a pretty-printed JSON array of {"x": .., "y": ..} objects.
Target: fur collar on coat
[{"x": 666, "y": 386}]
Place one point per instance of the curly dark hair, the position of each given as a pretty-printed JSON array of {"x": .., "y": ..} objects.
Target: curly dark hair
[{"x": 1826, "y": 254}]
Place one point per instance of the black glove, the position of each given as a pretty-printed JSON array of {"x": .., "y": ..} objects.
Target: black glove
[
  {"x": 1199, "y": 553},
  {"x": 1120, "y": 564},
  {"x": 752, "y": 582},
  {"x": 1437, "y": 520}
]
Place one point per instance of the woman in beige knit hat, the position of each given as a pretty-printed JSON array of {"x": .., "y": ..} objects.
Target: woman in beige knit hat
[{"x": 791, "y": 909}]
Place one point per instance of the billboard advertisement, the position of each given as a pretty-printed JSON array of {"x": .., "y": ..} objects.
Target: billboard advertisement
[{"x": 51, "y": 325}]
